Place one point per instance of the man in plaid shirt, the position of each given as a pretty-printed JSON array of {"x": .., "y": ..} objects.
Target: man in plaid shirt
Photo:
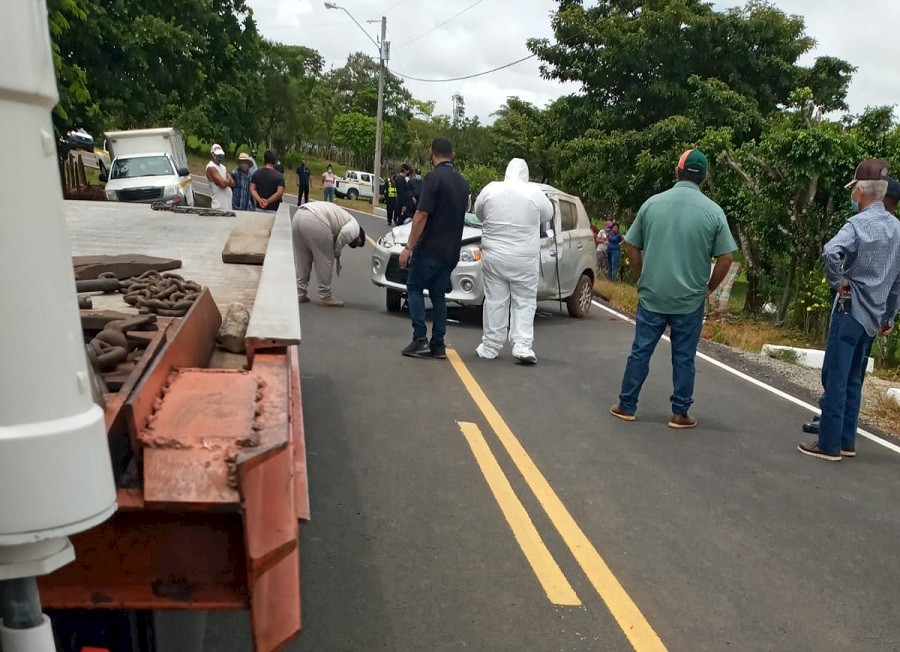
[{"x": 862, "y": 264}]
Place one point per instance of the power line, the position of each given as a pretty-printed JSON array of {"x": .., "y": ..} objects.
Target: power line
[
  {"x": 477, "y": 74},
  {"x": 439, "y": 25},
  {"x": 392, "y": 7}
]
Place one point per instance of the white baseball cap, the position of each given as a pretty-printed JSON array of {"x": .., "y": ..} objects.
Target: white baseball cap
[{"x": 216, "y": 149}]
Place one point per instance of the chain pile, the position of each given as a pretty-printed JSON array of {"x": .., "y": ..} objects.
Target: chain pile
[
  {"x": 204, "y": 212},
  {"x": 167, "y": 295},
  {"x": 110, "y": 347}
]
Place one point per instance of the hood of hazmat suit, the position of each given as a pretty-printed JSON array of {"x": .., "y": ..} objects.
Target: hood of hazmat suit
[{"x": 512, "y": 212}]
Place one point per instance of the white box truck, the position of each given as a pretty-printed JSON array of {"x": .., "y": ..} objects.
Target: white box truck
[{"x": 148, "y": 165}]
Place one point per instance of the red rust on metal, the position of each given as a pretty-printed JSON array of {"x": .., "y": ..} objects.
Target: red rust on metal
[
  {"x": 298, "y": 437},
  {"x": 189, "y": 344},
  {"x": 154, "y": 560},
  {"x": 199, "y": 425},
  {"x": 275, "y": 614}
]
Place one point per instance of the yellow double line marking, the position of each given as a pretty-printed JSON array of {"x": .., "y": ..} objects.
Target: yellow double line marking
[
  {"x": 630, "y": 619},
  {"x": 548, "y": 572}
]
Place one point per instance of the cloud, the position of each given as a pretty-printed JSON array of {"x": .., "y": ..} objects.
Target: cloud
[{"x": 494, "y": 33}]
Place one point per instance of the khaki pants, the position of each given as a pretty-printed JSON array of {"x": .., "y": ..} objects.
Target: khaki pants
[{"x": 313, "y": 245}]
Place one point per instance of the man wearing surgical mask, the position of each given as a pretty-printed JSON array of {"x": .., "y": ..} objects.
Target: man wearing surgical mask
[
  {"x": 241, "y": 199},
  {"x": 220, "y": 182}
]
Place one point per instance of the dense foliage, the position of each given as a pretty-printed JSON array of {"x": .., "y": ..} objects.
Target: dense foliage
[{"x": 656, "y": 77}]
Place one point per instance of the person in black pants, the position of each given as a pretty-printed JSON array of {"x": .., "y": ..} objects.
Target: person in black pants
[
  {"x": 389, "y": 196},
  {"x": 303, "y": 176},
  {"x": 432, "y": 250},
  {"x": 403, "y": 196}
]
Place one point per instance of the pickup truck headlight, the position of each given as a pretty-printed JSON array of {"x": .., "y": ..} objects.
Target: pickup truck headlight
[
  {"x": 469, "y": 254},
  {"x": 172, "y": 190},
  {"x": 387, "y": 241},
  {"x": 112, "y": 195}
]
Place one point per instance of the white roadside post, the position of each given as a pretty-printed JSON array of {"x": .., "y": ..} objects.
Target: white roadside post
[{"x": 55, "y": 471}]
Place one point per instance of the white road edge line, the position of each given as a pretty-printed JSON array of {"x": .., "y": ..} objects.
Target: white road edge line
[{"x": 750, "y": 379}]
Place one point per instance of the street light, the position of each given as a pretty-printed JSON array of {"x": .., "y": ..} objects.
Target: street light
[{"x": 383, "y": 56}]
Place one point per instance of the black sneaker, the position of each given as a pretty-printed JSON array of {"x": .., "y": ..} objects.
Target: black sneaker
[
  {"x": 848, "y": 451},
  {"x": 812, "y": 449},
  {"x": 438, "y": 351},
  {"x": 811, "y": 427},
  {"x": 417, "y": 349}
]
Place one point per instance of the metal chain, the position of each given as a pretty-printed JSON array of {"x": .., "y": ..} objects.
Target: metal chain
[{"x": 205, "y": 212}]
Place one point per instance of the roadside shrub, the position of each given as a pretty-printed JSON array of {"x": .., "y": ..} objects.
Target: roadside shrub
[{"x": 812, "y": 307}]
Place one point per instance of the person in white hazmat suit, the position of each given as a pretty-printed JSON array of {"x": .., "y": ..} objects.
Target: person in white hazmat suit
[{"x": 511, "y": 212}]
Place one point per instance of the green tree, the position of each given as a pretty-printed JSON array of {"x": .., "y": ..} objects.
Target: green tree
[{"x": 355, "y": 132}]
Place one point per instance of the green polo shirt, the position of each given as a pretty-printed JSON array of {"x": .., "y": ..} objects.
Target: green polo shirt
[{"x": 679, "y": 231}]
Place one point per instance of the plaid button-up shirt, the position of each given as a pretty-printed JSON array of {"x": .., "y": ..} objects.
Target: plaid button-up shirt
[
  {"x": 866, "y": 252},
  {"x": 241, "y": 199}
]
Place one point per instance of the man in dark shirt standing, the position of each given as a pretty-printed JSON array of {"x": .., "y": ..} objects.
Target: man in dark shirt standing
[
  {"x": 402, "y": 210},
  {"x": 432, "y": 251},
  {"x": 267, "y": 184},
  {"x": 303, "y": 175}
]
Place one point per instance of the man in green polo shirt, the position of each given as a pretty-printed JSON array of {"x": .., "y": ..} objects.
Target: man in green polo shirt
[{"x": 670, "y": 245}]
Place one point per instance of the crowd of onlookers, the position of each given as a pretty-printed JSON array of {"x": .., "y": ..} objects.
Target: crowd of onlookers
[{"x": 609, "y": 248}]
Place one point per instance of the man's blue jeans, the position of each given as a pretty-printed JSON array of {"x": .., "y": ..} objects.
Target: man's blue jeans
[
  {"x": 432, "y": 275},
  {"x": 843, "y": 372},
  {"x": 685, "y": 335}
]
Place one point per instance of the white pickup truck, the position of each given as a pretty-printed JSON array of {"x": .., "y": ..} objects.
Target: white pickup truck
[
  {"x": 355, "y": 185},
  {"x": 149, "y": 165}
]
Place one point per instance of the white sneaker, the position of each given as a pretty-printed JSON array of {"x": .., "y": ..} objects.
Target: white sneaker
[
  {"x": 525, "y": 356},
  {"x": 482, "y": 352}
]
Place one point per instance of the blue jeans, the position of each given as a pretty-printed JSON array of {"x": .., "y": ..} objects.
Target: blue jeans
[
  {"x": 432, "y": 275},
  {"x": 685, "y": 336},
  {"x": 328, "y": 194},
  {"x": 613, "y": 255},
  {"x": 843, "y": 372}
]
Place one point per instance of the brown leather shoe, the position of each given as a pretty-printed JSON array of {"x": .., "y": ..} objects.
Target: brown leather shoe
[
  {"x": 331, "y": 303},
  {"x": 621, "y": 414},
  {"x": 682, "y": 422}
]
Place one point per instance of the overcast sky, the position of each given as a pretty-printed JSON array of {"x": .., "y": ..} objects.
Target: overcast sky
[{"x": 493, "y": 33}]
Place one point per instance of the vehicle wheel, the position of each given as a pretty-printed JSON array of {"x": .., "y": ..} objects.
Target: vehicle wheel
[
  {"x": 393, "y": 300},
  {"x": 352, "y": 194},
  {"x": 579, "y": 304}
]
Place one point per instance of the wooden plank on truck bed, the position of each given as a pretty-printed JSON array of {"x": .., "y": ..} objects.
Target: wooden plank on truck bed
[
  {"x": 122, "y": 265},
  {"x": 275, "y": 318},
  {"x": 249, "y": 239}
]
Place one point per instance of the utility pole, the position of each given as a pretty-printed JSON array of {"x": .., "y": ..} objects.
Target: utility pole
[{"x": 383, "y": 56}]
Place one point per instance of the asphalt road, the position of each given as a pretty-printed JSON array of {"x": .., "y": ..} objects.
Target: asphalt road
[{"x": 627, "y": 536}]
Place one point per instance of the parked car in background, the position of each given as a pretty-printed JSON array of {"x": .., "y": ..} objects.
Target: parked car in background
[
  {"x": 148, "y": 165},
  {"x": 568, "y": 260},
  {"x": 80, "y": 139},
  {"x": 354, "y": 185}
]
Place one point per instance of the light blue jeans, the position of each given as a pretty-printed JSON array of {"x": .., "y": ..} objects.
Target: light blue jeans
[{"x": 328, "y": 194}]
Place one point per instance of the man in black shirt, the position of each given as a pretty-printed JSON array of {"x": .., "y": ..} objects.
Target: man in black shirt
[
  {"x": 432, "y": 251},
  {"x": 267, "y": 184},
  {"x": 303, "y": 176},
  {"x": 402, "y": 210}
]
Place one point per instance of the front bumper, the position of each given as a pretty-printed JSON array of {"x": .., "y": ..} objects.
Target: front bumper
[{"x": 466, "y": 279}]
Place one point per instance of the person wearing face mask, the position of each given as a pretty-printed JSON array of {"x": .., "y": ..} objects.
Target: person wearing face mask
[
  {"x": 890, "y": 205},
  {"x": 241, "y": 199},
  {"x": 328, "y": 181},
  {"x": 220, "y": 182},
  {"x": 862, "y": 264}
]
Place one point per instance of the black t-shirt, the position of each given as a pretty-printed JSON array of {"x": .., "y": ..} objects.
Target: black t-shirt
[
  {"x": 402, "y": 190},
  {"x": 268, "y": 181},
  {"x": 445, "y": 197},
  {"x": 303, "y": 173}
]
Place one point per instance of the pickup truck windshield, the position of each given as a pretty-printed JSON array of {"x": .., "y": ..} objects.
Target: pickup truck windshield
[{"x": 141, "y": 166}]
